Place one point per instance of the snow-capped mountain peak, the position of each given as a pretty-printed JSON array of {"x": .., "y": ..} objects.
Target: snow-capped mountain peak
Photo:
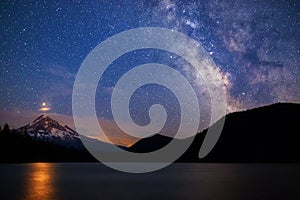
[
  {"x": 45, "y": 125},
  {"x": 46, "y": 129}
]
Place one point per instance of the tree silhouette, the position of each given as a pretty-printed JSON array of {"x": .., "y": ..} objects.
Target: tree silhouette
[{"x": 6, "y": 128}]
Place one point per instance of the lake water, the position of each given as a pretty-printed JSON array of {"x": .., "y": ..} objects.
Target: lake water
[{"x": 178, "y": 181}]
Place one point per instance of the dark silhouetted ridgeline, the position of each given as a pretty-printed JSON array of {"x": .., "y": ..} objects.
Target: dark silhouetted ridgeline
[{"x": 265, "y": 134}]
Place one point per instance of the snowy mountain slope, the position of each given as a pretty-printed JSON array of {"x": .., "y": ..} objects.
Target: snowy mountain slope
[{"x": 48, "y": 130}]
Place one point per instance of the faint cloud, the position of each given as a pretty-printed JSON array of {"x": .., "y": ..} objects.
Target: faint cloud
[
  {"x": 61, "y": 71},
  {"x": 44, "y": 109}
]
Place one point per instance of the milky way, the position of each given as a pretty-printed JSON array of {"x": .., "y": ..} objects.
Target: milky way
[{"x": 255, "y": 45}]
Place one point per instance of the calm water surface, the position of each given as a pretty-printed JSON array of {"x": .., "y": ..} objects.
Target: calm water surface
[{"x": 178, "y": 181}]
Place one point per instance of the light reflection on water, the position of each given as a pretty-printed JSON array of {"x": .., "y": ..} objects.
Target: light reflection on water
[
  {"x": 40, "y": 181},
  {"x": 178, "y": 181}
]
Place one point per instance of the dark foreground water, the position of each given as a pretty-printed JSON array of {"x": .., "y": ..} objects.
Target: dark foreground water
[{"x": 178, "y": 181}]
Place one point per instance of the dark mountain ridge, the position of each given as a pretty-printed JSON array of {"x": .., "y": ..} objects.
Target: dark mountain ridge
[{"x": 265, "y": 134}]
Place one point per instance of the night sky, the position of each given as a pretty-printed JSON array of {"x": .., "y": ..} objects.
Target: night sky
[{"x": 255, "y": 45}]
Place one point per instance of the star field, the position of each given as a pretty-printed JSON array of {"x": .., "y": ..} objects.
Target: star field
[{"x": 255, "y": 45}]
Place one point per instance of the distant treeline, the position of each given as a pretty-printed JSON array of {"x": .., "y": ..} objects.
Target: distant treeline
[{"x": 18, "y": 147}]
